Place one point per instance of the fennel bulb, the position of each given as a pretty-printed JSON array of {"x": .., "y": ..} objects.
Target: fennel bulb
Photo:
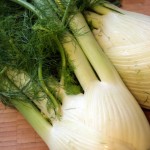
[
  {"x": 69, "y": 133},
  {"x": 118, "y": 115},
  {"x": 110, "y": 108},
  {"x": 125, "y": 38},
  {"x": 105, "y": 117}
]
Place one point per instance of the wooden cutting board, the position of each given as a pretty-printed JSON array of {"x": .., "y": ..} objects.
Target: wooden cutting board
[{"x": 17, "y": 134}]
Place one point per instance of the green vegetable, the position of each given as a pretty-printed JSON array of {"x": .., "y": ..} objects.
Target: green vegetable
[{"x": 104, "y": 116}]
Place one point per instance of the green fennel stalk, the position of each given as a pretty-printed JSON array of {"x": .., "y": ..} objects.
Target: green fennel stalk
[
  {"x": 106, "y": 115},
  {"x": 19, "y": 71},
  {"x": 67, "y": 36},
  {"x": 34, "y": 117},
  {"x": 82, "y": 68}
]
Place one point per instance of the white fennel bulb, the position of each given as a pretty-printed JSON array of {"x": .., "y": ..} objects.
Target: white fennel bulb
[
  {"x": 125, "y": 38},
  {"x": 105, "y": 117},
  {"x": 118, "y": 115},
  {"x": 109, "y": 107},
  {"x": 73, "y": 132}
]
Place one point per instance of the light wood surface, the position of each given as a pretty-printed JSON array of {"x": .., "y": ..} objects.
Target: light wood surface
[{"x": 141, "y": 6}]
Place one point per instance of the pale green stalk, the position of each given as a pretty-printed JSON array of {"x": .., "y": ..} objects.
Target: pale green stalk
[
  {"x": 28, "y": 6},
  {"x": 93, "y": 18},
  {"x": 23, "y": 84},
  {"x": 92, "y": 50},
  {"x": 101, "y": 9},
  {"x": 63, "y": 59},
  {"x": 34, "y": 117},
  {"x": 46, "y": 90},
  {"x": 82, "y": 67},
  {"x": 65, "y": 16}
]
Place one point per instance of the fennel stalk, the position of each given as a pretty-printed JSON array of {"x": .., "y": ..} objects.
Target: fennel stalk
[{"x": 106, "y": 115}]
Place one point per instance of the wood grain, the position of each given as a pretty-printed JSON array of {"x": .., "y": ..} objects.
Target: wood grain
[
  {"x": 17, "y": 134},
  {"x": 141, "y": 6}
]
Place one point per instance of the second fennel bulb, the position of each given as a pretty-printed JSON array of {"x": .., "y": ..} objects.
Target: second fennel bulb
[{"x": 124, "y": 36}]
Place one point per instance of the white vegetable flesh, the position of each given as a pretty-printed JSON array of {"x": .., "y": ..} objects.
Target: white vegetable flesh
[
  {"x": 125, "y": 38},
  {"x": 106, "y": 117}
]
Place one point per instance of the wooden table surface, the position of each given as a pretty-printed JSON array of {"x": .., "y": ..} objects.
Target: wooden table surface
[
  {"x": 141, "y": 6},
  {"x": 17, "y": 134}
]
